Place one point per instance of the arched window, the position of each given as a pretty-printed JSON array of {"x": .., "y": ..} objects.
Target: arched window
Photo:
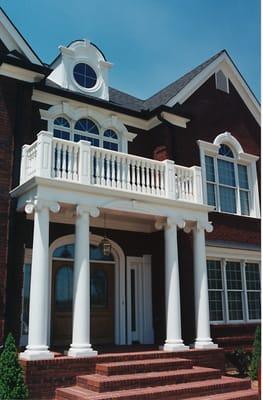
[
  {"x": 110, "y": 140},
  {"x": 62, "y": 128},
  {"x": 64, "y": 288},
  {"x": 227, "y": 182},
  {"x": 85, "y": 129}
]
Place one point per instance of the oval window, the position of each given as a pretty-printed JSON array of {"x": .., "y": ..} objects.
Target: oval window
[{"x": 84, "y": 75}]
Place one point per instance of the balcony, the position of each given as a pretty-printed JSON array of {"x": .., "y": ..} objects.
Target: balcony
[{"x": 62, "y": 160}]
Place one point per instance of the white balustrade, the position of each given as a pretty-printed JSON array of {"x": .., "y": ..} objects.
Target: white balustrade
[{"x": 80, "y": 162}]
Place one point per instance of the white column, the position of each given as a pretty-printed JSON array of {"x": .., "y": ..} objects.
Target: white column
[
  {"x": 37, "y": 348},
  {"x": 203, "y": 339},
  {"x": 81, "y": 346},
  {"x": 173, "y": 340}
]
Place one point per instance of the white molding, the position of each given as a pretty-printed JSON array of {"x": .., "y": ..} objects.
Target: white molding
[
  {"x": 232, "y": 254},
  {"x": 14, "y": 41},
  {"x": 176, "y": 120},
  {"x": 223, "y": 63}
]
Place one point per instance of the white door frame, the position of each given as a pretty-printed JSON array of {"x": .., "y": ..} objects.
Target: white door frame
[{"x": 143, "y": 300}]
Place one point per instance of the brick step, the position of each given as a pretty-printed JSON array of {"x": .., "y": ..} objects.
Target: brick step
[
  {"x": 249, "y": 394},
  {"x": 230, "y": 349},
  {"x": 175, "y": 391},
  {"x": 136, "y": 366},
  {"x": 138, "y": 355},
  {"x": 235, "y": 339},
  {"x": 101, "y": 383}
]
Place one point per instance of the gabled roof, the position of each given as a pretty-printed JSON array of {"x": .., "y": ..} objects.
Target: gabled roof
[{"x": 14, "y": 41}]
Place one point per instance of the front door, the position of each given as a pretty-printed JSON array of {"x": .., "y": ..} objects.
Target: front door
[{"x": 102, "y": 302}]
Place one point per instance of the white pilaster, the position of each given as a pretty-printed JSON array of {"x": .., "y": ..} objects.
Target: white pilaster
[
  {"x": 173, "y": 340},
  {"x": 81, "y": 346},
  {"x": 37, "y": 348},
  {"x": 203, "y": 339}
]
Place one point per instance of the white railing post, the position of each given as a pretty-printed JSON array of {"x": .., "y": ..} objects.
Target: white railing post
[
  {"x": 85, "y": 169},
  {"x": 169, "y": 178},
  {"x": 197, "y": 184},
  {"x": 44, "y": 154},
  {"x": 23, "y": 168}
]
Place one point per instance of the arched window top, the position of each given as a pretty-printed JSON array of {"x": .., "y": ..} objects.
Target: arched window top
[
  {"x": 109, "y": 133},
  {"x": 86, "y": 125},
  {"x": 61, "y": 121},
  {"x": 229, "y": 140},
  {"x": 226, "y": 151}
]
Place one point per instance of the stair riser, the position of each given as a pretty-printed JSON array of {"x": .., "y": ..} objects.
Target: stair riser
[
  {"x": 171, "y": 394},
  {"x": 136, "y": 356},
  {"x": 139, "y": 383},
  {"x": 148, "y": 367}
]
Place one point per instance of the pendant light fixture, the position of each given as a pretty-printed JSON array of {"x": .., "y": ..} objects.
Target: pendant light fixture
[{"x": 105, "y": 245}]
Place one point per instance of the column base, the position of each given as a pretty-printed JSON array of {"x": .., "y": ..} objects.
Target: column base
[
  {"x": 83, "y": 351},
  {"x": 205, "y": 344},
  {"x": 179, "y": 346},
  {"x": 31, "y": 355}
]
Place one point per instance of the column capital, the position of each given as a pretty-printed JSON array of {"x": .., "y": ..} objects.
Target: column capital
[
  {"x": 198, "y": 225},
  {"x": 39, "y": 204},
  {"x": 169, "y": 223},
  {"x": 83, "y": 209}
]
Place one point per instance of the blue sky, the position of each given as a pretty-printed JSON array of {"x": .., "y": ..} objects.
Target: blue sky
[{"x": 150, "y": 42}]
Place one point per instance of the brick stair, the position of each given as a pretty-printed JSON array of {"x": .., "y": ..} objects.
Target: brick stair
[{"x": 154, "y": 375}]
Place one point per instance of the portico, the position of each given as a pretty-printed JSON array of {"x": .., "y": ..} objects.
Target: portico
[{"x": 131, "y": 188}]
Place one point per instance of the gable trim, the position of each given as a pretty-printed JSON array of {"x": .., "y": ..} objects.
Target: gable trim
[{"x": 224, "y": 63}]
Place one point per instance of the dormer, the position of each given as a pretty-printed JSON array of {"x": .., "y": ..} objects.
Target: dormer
[{"x": 81, "y": 67}]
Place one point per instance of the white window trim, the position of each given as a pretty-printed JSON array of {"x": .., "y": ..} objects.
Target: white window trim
[
  {"x": 249, "y": 160},
  {"x": 243, "y": 257}
]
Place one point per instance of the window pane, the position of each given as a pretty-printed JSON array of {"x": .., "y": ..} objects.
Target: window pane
[
  {"x": 98, "y": 289},
  {"x": 211, "y": 200},
  {"x": 85, "y": 75},
  {"x": 66, "y": 251},
  {"x": 226, "y": 172},
  {"x": 244, "y": 202},
  {"x": 224, "y": 150},
  {"x": 235, "y": 306},
  {"x": 242, "y": 176},
  {"x": 110, "y": 146},
  {"x": 86, "y": 125},
  {"x": 233, "y": 275},
  {"x": 110, "y": 134},
  {"x": 64, "y": 288},
  {"x": 26, "y": 294},
  {"x": 58, "y": 133},
  {"x": 93, "y": 141},
  {"x": 253, "y": 299},
  {"x": 252, "y": 276},
  {"x": 210, "y": 171},
  {"x": 227, "y": 199},
  {"x": 215, "y": 306},
  {"x": 214, "y": 274},
  {"x": 61, "y": 122}
]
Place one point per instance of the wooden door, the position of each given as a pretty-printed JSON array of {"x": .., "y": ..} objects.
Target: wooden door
[{"x": 102, "y": 303}]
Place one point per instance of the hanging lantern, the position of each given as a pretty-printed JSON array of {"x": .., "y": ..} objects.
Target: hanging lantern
[{"x": 105, "y": 247}]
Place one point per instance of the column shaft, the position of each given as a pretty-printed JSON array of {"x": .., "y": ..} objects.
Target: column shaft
[
  {"x": 39, "y": 289},
  {"x": 81, "y": 346},
  {"x": 172, "y": 292},
  {"x": 203, "y": 339}
]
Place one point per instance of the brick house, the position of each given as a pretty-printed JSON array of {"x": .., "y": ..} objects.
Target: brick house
[{"x": 144, "y": 214}]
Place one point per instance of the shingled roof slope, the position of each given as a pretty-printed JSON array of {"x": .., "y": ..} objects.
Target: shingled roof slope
[{"x": 161, "y": 97}]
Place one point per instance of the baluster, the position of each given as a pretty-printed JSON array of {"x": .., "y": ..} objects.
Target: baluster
[
  {"x": 133, "y": 175},
  {"x": 157, "y": 171},
  {"x": 113, "y": 170},
  {"x": 124, "y": 171},
  {"x": 118, "y": 166},
  {"x": 75, "y": 162},
  {"x": 143, "y": 176},
  {"x": 128, "y": 174},
  {"x": 64, "y": 161},
  {"x": 58, "y": 163},
  {"x": 138, "y": 176},
  {"x": 70, "y": 172},
  {"x": 152, "y": 179},
  {"x": 147, "y": 178},
  {"x": 107, "y": 169},
  {"x": 96, "y": 165},
  {"x": 162, "y": 179}
]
